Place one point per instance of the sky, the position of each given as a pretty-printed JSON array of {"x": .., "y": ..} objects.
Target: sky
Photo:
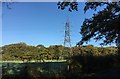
[{"x": 41, "y": 23}]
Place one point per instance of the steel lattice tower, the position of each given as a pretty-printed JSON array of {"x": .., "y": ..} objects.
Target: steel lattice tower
[{"x": 67, "y": 40}]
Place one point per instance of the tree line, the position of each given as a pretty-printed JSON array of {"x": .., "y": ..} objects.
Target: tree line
[{"x": 22, "y": 51}]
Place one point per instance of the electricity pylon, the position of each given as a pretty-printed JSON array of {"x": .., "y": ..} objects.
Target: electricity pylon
[{"x": 67, "y": 40}]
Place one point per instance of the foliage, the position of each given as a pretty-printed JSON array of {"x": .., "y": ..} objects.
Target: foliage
[
  {"x": 71, "y": 3},
  {"x": 22, "y": 51},
  {"x": 103, "y": 25}
]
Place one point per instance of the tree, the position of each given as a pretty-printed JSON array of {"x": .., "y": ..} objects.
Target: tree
[
  {"x": 55, "y": 51},
  {"x": 40, "y": 46},
  {"x": 103, "y": 25},
  {"x": 73, "y": 5}
]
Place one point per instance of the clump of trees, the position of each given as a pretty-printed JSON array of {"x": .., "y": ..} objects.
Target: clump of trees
[{"x": 22, "y": 51}]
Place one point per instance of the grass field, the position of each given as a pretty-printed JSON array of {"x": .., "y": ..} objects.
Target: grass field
[{"x": 32, "y": 61}]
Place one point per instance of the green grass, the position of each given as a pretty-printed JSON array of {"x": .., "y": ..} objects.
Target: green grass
[{"x": 19, "y": 61}]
